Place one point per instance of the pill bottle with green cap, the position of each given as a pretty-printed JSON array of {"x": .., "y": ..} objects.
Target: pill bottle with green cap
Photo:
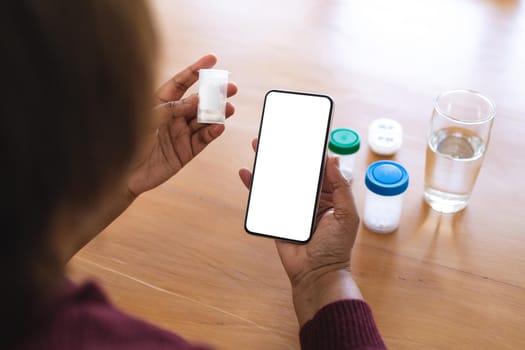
[
  {"x": 386, "y": 181},
  {"x": 344, "y": 143}
]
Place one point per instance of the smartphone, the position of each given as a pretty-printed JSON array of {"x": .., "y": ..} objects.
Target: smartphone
[{"x": 289, "y": 165}]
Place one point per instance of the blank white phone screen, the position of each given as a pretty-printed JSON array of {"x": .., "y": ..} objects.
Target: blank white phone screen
[{"x": 288, "y": 165}]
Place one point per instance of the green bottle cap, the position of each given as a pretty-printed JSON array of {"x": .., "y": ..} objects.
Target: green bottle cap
[{"x": 344, "y": 141}]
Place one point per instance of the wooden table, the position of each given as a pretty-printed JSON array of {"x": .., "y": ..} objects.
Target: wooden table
[{"x": 179, "y": 256}]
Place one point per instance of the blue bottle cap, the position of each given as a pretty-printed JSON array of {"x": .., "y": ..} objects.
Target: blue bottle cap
[{"x": 386, "y": 178}]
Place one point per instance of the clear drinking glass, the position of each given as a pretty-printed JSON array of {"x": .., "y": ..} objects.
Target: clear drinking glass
[{"x": 457, "y": 141}]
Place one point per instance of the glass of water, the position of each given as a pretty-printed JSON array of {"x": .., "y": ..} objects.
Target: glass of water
[{"x": 458, "y": 139}]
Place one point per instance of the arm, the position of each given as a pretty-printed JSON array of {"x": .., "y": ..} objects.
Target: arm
[
  {"x": 318, "y": 291},
  {"x": 319, "y": 272},
  {"x": 173, "y": 139},
  {"x": 343, "y": 325}
]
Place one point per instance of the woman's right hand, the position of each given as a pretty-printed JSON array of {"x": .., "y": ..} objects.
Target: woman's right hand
[
  {"x": 175, "y": 136},
  {"x": 319, "y": 271}
]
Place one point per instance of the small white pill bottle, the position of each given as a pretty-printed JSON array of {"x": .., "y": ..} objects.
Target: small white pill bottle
[
  {"x": 213, "y": 90},
  {"x": 386, "y": 181},
  {"x": 344, "y": 143}
]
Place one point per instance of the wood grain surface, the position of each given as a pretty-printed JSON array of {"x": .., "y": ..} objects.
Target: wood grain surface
[{"x": 179, "y": 257}]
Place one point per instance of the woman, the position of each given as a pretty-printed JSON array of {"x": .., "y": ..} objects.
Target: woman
[{"x": 79, "y": 142}]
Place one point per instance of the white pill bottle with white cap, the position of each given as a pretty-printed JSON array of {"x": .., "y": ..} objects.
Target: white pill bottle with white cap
[
  {"x": 386, "y": 181},
  {"x": 385, "y": 136}
]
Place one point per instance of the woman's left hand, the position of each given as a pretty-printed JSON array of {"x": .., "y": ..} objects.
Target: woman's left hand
[{"x": 175, "y": 137}]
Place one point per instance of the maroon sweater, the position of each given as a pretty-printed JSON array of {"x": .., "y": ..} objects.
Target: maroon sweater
[{"x": 82, "y": 318}]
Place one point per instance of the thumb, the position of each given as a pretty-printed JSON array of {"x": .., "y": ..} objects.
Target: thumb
[{"x": 342, "y": 197}]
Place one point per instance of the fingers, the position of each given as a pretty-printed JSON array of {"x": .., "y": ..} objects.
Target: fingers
[
  {"x": 204, "y": 136},
  {"x": 187, "y": 108},
  {"x": 195, "y": 125},
  {"x": 343, "y": 200},
  {"x": 244, "y": 173},
  {"x": 194, "y": 99},
  {"x": 175, "y": 88},
  {"x": 232, "y": 89},
  {"x": 246, "y": 177},
  {"x": 327, "y": 186}
]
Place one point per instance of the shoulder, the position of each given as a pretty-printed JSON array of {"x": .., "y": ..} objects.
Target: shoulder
[{"x": 83, "y": 318}]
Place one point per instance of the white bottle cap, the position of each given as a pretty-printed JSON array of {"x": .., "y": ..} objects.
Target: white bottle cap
[{"x": 385, "y": 136}]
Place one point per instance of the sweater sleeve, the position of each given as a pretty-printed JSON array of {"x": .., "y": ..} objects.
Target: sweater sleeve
[
  {"x": 343, "y": 325},
  {"x": 82, "y": 318}
]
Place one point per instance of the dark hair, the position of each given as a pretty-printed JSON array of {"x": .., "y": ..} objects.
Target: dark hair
[{"x": 76, "y": 86}]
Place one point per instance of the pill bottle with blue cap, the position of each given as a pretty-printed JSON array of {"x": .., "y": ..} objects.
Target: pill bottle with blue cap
[
  {"x": 386, "y": 181},
  {"x": 344, "y": 143}
]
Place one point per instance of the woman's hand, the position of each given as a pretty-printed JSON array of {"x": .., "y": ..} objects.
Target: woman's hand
[
  {"x": 319, "y": 270},
  {"x": 175, "y": 137}
]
